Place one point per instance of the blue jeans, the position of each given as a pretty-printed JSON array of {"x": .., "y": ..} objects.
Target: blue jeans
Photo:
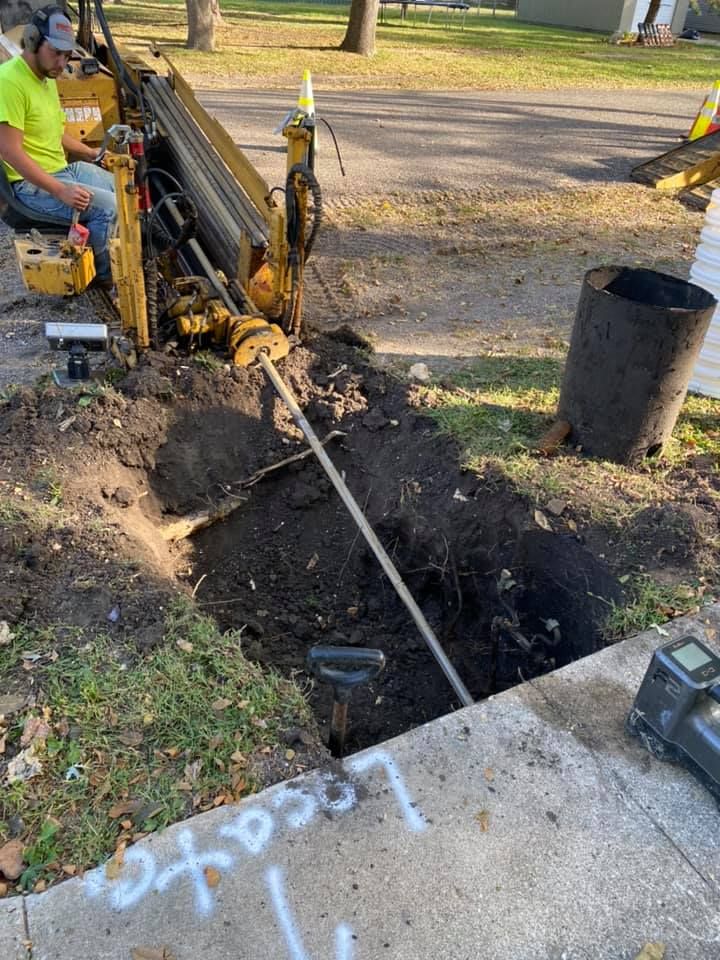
[{"x": 100, "y": 217}]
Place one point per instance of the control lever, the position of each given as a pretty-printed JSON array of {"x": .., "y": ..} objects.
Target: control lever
[{"x": 344, "y": 668}]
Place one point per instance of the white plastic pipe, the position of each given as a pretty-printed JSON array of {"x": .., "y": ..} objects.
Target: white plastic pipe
[
  {"x": 359, "y": 517},
  {"x": 705, "y": 272}
]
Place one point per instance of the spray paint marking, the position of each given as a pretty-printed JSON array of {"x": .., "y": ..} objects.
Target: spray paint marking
[
  {"x": 414, "y": 819},
  {"x": 293, "y": 942},
  {"x": 253, "y": 829},
  {"x": 195, "y": 864}
]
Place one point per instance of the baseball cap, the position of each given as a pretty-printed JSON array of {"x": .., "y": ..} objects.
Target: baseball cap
[{"x": 58, "y": 32}]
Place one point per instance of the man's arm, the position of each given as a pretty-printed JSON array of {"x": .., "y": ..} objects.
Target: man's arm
[
  {"x": 11, "y": 150},
  {"x": 79, "y": 149}
]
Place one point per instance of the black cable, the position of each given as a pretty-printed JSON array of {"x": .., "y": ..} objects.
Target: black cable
[
  {"x": 187, "y": 230},
  {"x": 176, "y": 183},
  {"x": 312, "y": 184},
  {"x": 337, "y": 146}
]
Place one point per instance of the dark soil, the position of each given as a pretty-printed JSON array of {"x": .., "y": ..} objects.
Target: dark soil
[{"x": 507, "y": 599}]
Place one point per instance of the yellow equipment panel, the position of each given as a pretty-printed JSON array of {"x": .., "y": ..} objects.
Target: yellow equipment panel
[{"x": 54, "y": 268}]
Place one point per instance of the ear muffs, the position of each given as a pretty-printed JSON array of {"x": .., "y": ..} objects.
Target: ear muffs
[
  {"x": 34, "y": 32},
  {"x": 32, "y": 38}
]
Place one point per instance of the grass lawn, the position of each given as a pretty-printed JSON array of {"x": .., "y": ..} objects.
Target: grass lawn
[{"x": 268, "y": 44}]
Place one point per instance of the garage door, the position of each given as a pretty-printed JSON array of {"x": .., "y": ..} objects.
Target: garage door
[{"x": 665, "y": 14}]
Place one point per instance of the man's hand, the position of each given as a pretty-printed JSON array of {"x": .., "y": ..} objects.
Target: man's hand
[{"x": 73, "y": 195}]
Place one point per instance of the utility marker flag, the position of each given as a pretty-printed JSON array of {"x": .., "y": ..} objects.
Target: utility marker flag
[{"x": 707, "y": 120}]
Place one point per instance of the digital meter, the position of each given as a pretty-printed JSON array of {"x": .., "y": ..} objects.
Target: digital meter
[{"x": 676, "y": 713}]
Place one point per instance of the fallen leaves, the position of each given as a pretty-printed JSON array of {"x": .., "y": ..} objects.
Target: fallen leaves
[
  {"x": 6, "y": 635},
  {"x": 542, "y": 521},
  {"x": 222, "y": 703},
  {"x": 212, "y": 877},
  {"x": 483, "y": 818},
  {"x": 152, "y": 953},
  {"x": 652, "y": 951},
  {"x": 11, "y": 859},
  {"x": 130, "y": 738},
  {"x": 24, "y": 766}
]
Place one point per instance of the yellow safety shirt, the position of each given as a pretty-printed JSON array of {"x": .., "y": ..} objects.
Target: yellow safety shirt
[{"x": 33, "y": 106}]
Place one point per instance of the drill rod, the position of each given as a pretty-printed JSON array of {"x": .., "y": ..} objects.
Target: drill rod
[{"x": 366, "y": 530}]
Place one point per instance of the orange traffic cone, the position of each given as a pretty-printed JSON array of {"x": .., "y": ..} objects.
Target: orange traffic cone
[
  {"x": 306, "y": 102},
  {"x": 705, "y": 120}
]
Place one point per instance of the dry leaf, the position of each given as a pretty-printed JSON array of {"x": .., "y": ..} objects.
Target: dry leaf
[
  {"x": 123, "y": 807},
  {"x": 69, "y": 869},
  {"x": 222, "y": 703},
  {"x": 312, "y": 562},
  {"x": 542, "y": 521},
  {"x": 212, "y": 877},
  {"x": 184, "y": 645},
  {"x": 6, "y": 634},
  {"x": 3, "y": 890},
  {"x": 483, "y": 818},
  {"x": 489, "y": 774},
  {"x": 11, "y": 859},
  {"x": 289, "y": 754},
  {"x": 550, "y": 441},
  {"x": 152, "y": 953},
  {"x": 652, "y": 951},
  {"x": 113, "y": 868},
  {"x": 24, "y": 766},
  {"x": 556, "y": 507},
  {"x": 131, "y": 738},
  {"x": 192, "y": 771},
  {"x": 36, "y": 730}
]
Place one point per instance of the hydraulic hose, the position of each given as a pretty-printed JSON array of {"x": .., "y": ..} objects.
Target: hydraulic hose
[{"x": 367, "y": 531}]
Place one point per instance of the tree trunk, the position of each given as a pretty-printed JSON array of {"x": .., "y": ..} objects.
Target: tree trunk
[
  {"x": 360, "y": 34},
  {"x": 653, "y": 11},
  {"x": 201, "y": 25}
]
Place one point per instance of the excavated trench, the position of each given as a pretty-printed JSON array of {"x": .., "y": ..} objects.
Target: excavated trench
[{"x": 507, "y": 600}]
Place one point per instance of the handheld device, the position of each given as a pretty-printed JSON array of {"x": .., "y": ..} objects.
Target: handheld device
[{"x": 676, "y": 713}]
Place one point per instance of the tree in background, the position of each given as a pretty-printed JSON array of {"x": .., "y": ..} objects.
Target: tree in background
[
  {"x": 201, "y": 16},
  {"x": 360, "y": 33}
]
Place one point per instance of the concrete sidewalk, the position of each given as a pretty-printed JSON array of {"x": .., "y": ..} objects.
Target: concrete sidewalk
[{"x": 526, "y": 827}]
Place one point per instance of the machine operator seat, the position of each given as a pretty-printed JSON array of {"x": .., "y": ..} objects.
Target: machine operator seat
[{"x": 19, "y": 217}]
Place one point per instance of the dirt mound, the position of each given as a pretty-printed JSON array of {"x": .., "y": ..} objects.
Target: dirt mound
[{"x": 113, "y": 466}]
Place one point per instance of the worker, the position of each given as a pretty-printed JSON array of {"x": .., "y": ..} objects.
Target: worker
[{"x": 34, "y": 142}]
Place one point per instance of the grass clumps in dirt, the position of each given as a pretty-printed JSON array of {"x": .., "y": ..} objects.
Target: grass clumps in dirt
[
  {"x": 656, "y": 526},
  {"x": 108, "y": 745}
]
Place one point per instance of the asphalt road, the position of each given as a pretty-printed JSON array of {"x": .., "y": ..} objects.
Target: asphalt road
[{"x": 439, "y": 141}]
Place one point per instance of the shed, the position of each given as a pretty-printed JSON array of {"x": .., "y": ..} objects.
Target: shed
[
  {"x": 706, "y": 21},
  {"x": 608, "y": 17}
]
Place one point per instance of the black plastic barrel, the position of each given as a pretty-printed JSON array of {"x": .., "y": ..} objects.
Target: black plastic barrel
[{"x": 636, "y": 337}]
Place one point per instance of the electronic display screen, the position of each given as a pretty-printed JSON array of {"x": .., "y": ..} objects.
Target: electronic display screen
[{"x": 691, "y": 656}]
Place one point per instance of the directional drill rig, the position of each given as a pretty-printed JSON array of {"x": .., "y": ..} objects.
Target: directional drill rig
[{"x": 206, "y": 252}]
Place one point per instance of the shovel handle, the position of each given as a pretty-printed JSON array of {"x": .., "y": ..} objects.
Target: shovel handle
[{"x": 344, "y": 667}]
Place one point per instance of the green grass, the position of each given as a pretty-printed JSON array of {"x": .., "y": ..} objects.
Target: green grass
[
  {"x": 650, "y": 603},
  {"x": 270, "y": 43},
  {"x": 158, "y": 737}
]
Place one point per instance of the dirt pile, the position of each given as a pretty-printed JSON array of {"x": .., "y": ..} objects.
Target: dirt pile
[{"x": 90, "y": 481}]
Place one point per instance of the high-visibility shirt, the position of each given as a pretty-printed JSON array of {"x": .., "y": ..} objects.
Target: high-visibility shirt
[{"x": 33, "y": 106}]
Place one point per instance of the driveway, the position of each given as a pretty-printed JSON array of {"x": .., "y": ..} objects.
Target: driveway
[{"x": 439, "y": 141}]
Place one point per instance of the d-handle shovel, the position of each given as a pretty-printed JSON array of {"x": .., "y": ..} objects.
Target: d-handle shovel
[{"x": 344, "y": 668}]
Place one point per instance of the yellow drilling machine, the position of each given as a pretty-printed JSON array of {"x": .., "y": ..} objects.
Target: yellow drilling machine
[{"x": 206, "y": 252}]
